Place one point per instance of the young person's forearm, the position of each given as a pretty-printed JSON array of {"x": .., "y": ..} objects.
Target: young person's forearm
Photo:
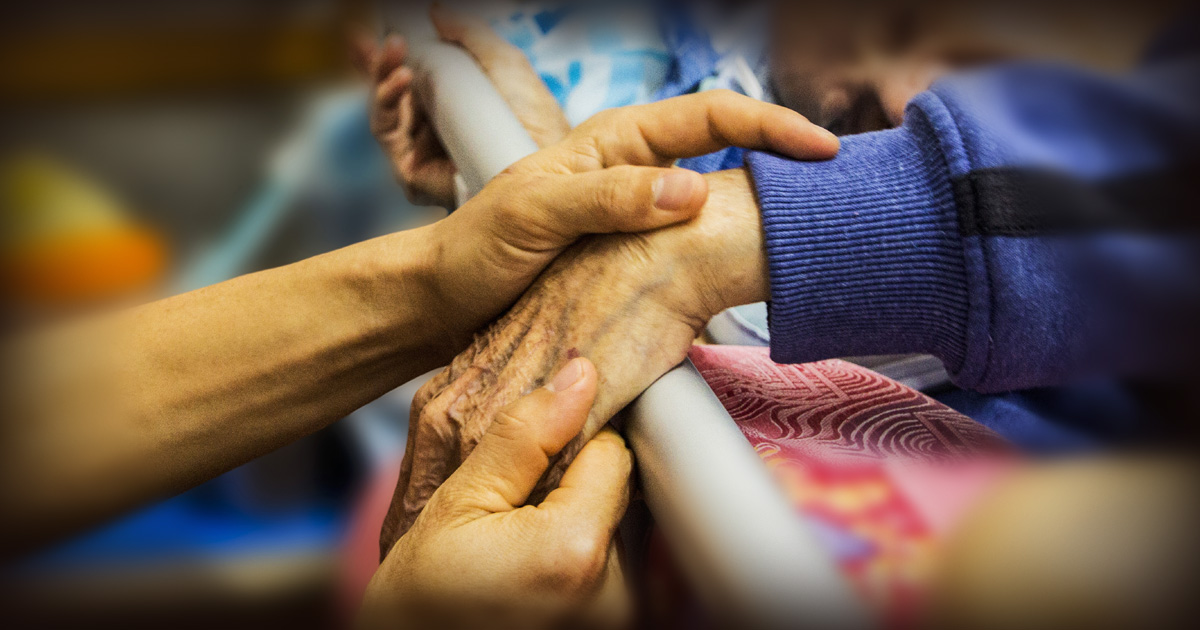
[{"x": 156, "y": 399}]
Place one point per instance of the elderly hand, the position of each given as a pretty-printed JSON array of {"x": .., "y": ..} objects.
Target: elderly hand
[
  {"x": 398, "y": 120},
  {"x": 630, "y": 303},
  {"x": 480, "y": 556},
  {"x": 611, "y": 174}
]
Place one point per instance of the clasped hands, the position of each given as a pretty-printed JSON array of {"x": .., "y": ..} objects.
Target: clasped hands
[{"x": 677, "y": 248}]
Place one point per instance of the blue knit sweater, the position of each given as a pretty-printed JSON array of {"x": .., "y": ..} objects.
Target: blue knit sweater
[{"x": 1029, "y": 225}]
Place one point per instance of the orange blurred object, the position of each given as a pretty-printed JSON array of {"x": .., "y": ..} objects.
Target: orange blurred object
[
  {"x": 74, "y": 268},
  {"x": 67, "y": 242}
]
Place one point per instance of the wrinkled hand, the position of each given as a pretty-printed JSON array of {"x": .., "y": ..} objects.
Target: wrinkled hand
[
  {"x": 398, "y": 120},
  {"x": 611, "y": 174},
  {"x": 479, "y": 555},
  {"x": 630, "y": 303}
]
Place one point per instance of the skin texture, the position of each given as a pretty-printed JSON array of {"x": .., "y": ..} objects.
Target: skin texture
[
  {"x": 200, "y": 383},
  {"x": 632, "y": 304},
  {"x": 484, "y": 553},
  {"x": 607, "y": 299}
]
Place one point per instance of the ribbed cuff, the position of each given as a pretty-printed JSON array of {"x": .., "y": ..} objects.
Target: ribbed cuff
[{"x": 864, "y": 251}]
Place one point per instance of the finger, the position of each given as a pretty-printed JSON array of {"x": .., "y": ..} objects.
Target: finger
[
  {"x": 394, "y": 524},
  {"x": 514, "y": 453},
  {"x": 430, "y": 410},
  {"x": 426, "y": 146},
  {"x": 389, "y": 57},
  {"x": 387, "y": 95},
  {"x": 408, "y": 118},
  {"x": 385, "y": 112},
  {"x": 431, "y": 448},
  {"x": 687, "y": 126},
  {"x": 429, "y": 172},
  {"x": 429, "y": 183},
  {"x": 476, "y": 37},
  {"x": 594, "y": 492},
  {"x": 618, "y": 199}
]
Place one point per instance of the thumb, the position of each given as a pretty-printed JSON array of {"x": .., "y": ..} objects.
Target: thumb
[
  {"x": 594, "y": 492},
  {"x": 516, "y": 450}
]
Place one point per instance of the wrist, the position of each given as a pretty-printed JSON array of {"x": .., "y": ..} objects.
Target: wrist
[
  {"x": 865, "y": 253},
  {"x": 729, "y": 262},
  {"x": 396, "y": 280}
]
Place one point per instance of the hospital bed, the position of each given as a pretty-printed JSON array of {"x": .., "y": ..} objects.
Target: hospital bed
[{"x": 741, "y": 545}]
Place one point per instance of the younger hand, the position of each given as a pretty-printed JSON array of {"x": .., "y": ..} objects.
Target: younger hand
[
  {"x": 611, "y": 174},
  {"x": 479, "y": 556},
  {"x": 632, "y": 303}
]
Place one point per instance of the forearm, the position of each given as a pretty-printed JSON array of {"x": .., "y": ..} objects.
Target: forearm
[{"x": 114, "y": 412}]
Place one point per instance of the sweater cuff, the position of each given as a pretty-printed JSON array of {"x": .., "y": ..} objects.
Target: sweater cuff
[{"x": 864, "y": 252}]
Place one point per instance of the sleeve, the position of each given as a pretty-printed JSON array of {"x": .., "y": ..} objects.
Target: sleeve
[{"x": 1029, "y": 225}]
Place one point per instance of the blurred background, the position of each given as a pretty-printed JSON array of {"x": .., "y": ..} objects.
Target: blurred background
[{"x": 149, "y": 148}]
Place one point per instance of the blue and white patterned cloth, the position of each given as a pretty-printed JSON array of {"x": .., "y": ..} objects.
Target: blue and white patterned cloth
[{"x": 594, "y": 56}]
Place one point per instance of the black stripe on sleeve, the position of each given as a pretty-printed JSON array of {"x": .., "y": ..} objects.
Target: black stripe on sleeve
[{"x": 1029, "y": 202}]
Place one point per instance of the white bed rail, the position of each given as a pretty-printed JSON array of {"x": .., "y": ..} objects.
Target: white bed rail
[{"x": 738, "y": 539}]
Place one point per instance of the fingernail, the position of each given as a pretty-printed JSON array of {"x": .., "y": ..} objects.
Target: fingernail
[
  {"x": 673, "y": 191},
  {"x": 566, "y": 377}
]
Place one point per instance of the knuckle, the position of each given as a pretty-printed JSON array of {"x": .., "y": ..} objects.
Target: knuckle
[
  {"x": 604, "y": 116},
  {"x": 620, "y": 454},
  {"x": 509, "y": 425},
  {"x": 601, "y": 120},
  {"x": 401, "y": 176},
  {"x": 723, "y": 100},
  {"x": 608, "y": 195},
  {"x": 616, "y": 455},
  {"x": 577, "y": 562},
  {"x": 623, "y": 190},
  {"x": 518, "y": 195},
  {"x": 584, "y": 151},
  {"x": 722, "y": 95}
]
